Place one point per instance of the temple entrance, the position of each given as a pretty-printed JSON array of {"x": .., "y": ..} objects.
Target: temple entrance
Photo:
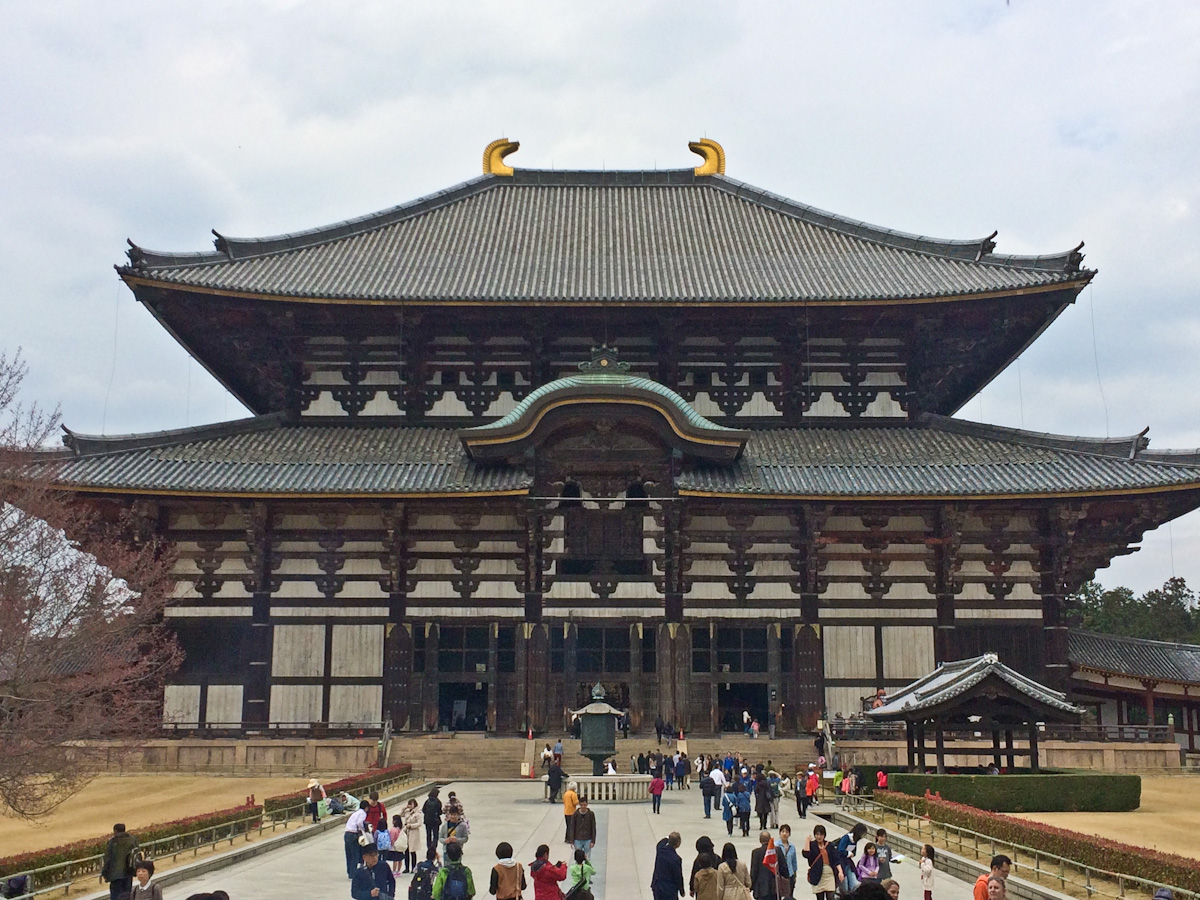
[
  {"x": 462, "y": 706},
  {"x": 734, "y": 699}
]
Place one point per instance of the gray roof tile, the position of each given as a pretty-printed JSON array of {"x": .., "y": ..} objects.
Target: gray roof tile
[
  {"x": 1139, "y": 658},
  {"x": 932, "y": 458},
  {"x": 593, "y": 237}
]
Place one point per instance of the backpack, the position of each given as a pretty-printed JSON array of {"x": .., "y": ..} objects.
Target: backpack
[
  {"x": 421, "y": 887},
  {"x": 775, "y": 792},
  {"x": 455, "y": 885}
]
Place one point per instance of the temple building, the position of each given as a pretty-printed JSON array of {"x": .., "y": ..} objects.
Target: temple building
[{"x": 661, "y": 430}]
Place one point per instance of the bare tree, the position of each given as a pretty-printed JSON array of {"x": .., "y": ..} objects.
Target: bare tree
[{"x": 83, "y": 652}]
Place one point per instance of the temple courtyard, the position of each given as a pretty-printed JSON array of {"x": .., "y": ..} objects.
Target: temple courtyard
[{"x": 516, "y": 812}]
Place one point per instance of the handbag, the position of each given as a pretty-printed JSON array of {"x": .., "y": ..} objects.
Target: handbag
[{"x": 400, "y": 844}]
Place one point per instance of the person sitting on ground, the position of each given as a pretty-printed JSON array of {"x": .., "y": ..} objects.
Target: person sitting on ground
[
  {"x": 372, "y": 880},
  {"x": 349, "y": 802},
  {"x": 546, "y": 876},
  {"x": 454, "y": 881},
  {"x": 579, "y": 877},
  {"x": 1000, "y": 867},
  {"x": 508, "y": 875},
  {"x": 454, "y": 831},
  {"x": 142, "y": 888}
]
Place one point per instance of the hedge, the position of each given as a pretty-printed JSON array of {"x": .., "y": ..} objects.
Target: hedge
[
  {"x": 1076, "y": 792},
  {"x": 1090, "y": 850},
  {"x": 36, "y": 859},
  {"x": 354, "y": 784}
]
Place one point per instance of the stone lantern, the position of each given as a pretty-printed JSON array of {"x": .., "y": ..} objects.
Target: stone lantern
[{"x": 598, "y": 730}]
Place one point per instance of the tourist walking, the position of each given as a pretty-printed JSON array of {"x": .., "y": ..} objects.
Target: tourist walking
[
  {"x": 702, "y": 883},
  {"x": 546, "y": 876},
  {"x": 455, "y": 831},
  {"x": 508, "y": 875},
  {"x": 431, "y": 814},
  {"x": 659, "y": 727},
  {"x": 424, "y": 876},
  {"x": 547, "y": 755},
  {"x": 354, "y": 829},
  {"x": 413, "y": 820},
  {"x": 728, "y": 811},
  {"x": 120, "y": 858},
  {"x": 847, "y": 849},
  {"x": 376, "y": 812},
  {"x": 454, "y": 881},
  {"x": 741, "y": 792},
  {"x": 824, "y": 867},
  {"x": 733, "y": 877},
  {"x": 762, "y": 801},
  {"x": 555, "y": 778},
  {"x": 667, "y": 881},
  {"x": 927, "y": 872},
  {"x": 774, "y": 792},
  {"x": 787, "y": 850},
  {"x": 884, "y": 852},
  {"x": 767, "y": 868},
  {"x": 374, "y": 881},
  {"x": 570, "y": 804},
  {"x": 143, "y": 888},
  {"x": 579, "y": 877},
  {"x": 584, "y": 828},
  {"x": 656, "y": 791},
  {"x": 1000, "y": 867}
]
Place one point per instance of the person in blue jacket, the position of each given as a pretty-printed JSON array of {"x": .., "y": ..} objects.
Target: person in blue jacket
[
  {"x": 373, "y": 880},
  {"x": 742, "y": 795},
  {"x": 729, "y": 810},
  {"x": 847, "y": 849}
]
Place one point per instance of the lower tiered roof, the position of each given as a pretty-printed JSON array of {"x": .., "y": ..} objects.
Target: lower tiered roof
[{"x": 935, "y": 458}]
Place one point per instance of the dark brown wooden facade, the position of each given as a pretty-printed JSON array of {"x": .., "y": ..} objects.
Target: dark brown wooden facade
[{"x": 434, "y": 517}]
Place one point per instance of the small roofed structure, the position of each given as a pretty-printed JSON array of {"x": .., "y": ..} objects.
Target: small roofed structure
[{"x": 980, "y": 694}]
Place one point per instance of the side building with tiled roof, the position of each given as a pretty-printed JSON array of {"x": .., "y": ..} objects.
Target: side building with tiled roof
[{"x": 661, "y": 430}]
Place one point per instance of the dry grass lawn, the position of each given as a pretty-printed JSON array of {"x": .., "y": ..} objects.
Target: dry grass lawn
[
  {"x": 138, "y": 801},
  {"x": 1167, "y": 820}
]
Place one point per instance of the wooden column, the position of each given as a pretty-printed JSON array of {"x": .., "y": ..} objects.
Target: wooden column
[
  {"x": 1149, "y": 686},
  {"x": 1008, "y": 749},
  {"x": 635, "y": 674},
  {"x": 261, "y": 561},
  {"x": 490, "y": 677},
  {"x": 1033, "y": 747},
  {"x": 940, "y": 738},
  {"x": 920, "y": 747},
  {"x": 996, "y": 747},
  {"x": 432, "y": 681},
  {"x": 910, "y": 741}
]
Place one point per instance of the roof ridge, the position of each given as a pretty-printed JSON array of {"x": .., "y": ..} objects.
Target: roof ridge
[
  {"x": 96, "y": 444},
  {"x": 1087, "y": 632},
  {"x": 1129, "y": 448},
  {"x": 973, "y": 250}
]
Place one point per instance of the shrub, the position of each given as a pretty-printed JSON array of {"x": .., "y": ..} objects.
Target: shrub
[
  {"x": 1081, "y": 792},
  {"x": 1098, "y": 852},
  {"x": 362, "y": 783},
  {"x": 36, "y": 859}
]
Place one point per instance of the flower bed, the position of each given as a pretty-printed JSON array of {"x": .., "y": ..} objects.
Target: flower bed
[
  {"x": 354, "y": 784},
  {"x": 1028, "y": 792},
  {"x": 78, "y": 850},
  {"x": 1098, "y": 852}
]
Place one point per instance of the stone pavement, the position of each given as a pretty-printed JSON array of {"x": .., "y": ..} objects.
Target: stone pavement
[{"x": 515, "y": 812}]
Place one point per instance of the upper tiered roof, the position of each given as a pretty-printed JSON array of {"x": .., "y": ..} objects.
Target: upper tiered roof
[{"x": 631, "y": 237}]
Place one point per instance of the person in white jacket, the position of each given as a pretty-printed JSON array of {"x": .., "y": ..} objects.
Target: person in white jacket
[{"x": 927, "y": 871}]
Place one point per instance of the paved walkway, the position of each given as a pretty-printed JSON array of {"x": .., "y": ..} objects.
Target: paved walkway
[{"x": 515, "y": 812}]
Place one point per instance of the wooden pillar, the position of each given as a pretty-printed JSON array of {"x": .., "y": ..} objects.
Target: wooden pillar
[
  {"x": 570, "y": 676},
  {"x": 996, "y": 747},
  {"x": 940, "y": 738},
  {"x": 635, "y": 674},
  {"x": 921, "y": 747},
  {"x": 774, "y": 677},
  {"x": 490, "y": 678},
  {"x": 909, "y": 740},
  {"x": 1149, "y": 686},
  {"x": 432, "y": 679},
  {"x": 1033, "y": 747},
  {"x": 1008, "y": 749}
]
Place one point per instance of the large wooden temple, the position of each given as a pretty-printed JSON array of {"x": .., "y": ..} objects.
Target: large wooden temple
[{"x": 657, "y": 429}]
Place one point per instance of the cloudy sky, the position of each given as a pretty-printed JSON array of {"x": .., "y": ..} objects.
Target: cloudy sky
[{"x": 1052, "y": 122}]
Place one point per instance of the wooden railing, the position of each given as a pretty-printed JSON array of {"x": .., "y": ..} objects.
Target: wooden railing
[{"x": 863, "y": 730}]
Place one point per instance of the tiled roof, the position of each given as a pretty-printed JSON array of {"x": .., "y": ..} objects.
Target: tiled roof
[
  {"x": 628, "y": 237},
  {"x": 942, "y": 457},
  {"x": 932, "y": 458},
  {"x": 1139, "y": 658},
  {"x": 953, "y": 679}
]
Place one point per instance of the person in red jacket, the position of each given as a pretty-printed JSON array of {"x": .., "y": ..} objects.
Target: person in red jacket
[
  {"x": 657, "y": 786},
  {"x": 546, "y": 876},
  {"x": 376, "y": 813}
]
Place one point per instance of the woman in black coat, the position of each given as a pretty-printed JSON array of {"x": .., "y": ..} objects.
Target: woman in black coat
[
  {"x": 762, "y": 800},
  {"x": 432, "y": 813}
]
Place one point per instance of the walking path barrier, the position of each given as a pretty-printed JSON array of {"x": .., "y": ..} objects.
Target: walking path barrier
[
  {"x": 62, "y": 876},
  {"x": 608, "y": 788},
  {"x": 1037, "y": 865}
]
